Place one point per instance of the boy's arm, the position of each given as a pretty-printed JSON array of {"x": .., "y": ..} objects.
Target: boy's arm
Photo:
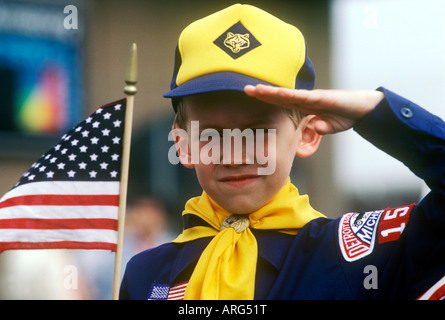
[
  {"x": 417, "y": 138},
  {"x": 397, "y": 126}
]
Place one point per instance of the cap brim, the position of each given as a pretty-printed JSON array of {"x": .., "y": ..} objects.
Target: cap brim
[{"x": 214, "y": 82}]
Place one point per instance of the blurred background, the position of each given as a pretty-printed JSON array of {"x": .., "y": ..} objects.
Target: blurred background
[{"x": 56, "y": 67}]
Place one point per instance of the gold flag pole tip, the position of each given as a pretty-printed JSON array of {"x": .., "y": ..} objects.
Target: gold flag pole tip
[{"x": 132, "y": 72}]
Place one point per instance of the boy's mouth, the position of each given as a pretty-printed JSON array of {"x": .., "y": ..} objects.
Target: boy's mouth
[{"x": 239, "y": 180}]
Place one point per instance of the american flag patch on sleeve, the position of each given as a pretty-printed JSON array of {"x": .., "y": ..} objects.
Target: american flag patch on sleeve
[
  {"x": 164, "y": 292},
  {"x": 178, "y": 291}
]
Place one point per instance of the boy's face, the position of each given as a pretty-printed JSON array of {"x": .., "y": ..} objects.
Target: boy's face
[{"x": 239, "y": 188}]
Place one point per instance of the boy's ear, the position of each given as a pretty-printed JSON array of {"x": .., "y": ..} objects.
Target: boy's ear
[
  {"x": 309, "y": 138},
  {"x": 182, "y": 147}
]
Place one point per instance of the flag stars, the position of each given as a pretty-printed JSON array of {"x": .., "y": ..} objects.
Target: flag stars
[
  {"x": 105, "y": 149},
  {"x": 116, "y": 140},
  {"x": 87, "y": 152}
]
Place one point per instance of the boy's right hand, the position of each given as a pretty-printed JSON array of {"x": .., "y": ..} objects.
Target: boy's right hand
[{"x": 336, "y": 110}]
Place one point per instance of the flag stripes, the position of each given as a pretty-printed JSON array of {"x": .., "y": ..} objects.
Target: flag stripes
[
  {"x": 59, "y": 200},
  {"x": 70, "y": 197},
  {"x": 178, "y": 291},
  {"x": 110, "y": 224}
]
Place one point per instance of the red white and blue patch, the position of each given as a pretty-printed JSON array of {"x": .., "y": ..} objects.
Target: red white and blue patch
[
  {"x": 164, "y": 292},
  {"x": 178, "y": 291},
  {"x": 393, "y": 223},
  {"x": 357, "y": 234},
  {"x": 359, "y": 231}
]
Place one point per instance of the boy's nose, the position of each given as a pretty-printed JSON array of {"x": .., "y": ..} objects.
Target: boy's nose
[{"x": 238, "y": 153}]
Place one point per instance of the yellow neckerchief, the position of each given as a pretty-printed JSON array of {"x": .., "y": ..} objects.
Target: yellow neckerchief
[{"x": 226, "y": 268}]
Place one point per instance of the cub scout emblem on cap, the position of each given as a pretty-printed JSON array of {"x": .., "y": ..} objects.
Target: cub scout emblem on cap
[{"x": 237, "y": 41}]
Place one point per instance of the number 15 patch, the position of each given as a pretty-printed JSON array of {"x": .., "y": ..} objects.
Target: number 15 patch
[
  {"x": 393, "y": 223},
  {"x": 358, "y": 232}
]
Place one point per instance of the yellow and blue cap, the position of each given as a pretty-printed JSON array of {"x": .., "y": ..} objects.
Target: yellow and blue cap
[{"x": 237, "y": 46}]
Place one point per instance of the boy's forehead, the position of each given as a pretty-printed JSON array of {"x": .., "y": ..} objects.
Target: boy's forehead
[
  {"x": 231, "y": 102},
  {"x": 224, "y": 111}
]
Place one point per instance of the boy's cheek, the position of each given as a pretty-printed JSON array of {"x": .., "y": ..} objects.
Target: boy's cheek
[{"x": 266, "y": 154}]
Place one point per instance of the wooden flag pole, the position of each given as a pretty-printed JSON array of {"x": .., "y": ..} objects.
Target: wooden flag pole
[{"x": 130, "y": 91}]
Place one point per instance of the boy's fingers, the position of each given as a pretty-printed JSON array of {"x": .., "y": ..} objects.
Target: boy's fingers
[
  {"x": 274, "y": 95},
  {"x": 264, "y": 91}
]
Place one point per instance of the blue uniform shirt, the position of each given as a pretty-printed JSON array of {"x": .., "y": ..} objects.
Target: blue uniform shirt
[{"x": 396, "y": 253}]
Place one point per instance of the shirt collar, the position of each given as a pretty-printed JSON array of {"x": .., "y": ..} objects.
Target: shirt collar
[{"x": 272, "y": 246}]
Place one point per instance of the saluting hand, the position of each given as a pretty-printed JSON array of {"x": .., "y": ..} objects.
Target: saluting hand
[{"x": 335, "y": 110}]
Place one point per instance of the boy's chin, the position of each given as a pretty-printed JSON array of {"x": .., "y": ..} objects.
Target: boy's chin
[{"x": 241, "y": 208}]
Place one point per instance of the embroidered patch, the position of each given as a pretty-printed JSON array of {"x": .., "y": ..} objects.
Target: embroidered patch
[
  {"x": 393, "y": 223},
  {"x": 178, "y": 291},
  {"x": 164, "y": 292},
  {"x": 357, "y": 232},
  {"x": 237, "y": 41}
]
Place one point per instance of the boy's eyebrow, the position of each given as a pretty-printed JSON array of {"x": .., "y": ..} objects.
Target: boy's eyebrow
[{"x": 259, "y": 121}]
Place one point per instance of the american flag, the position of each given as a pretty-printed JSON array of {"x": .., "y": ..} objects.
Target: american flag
[
  {"x": 69, "y": 198},
  {"x": 164, "y": 292},
  {"x": 178, "y": 291}
]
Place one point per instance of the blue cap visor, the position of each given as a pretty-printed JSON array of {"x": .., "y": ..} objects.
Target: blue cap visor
[{"x": 213, "y": 82}]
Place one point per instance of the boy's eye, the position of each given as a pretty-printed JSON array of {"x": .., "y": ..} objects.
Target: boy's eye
[{"x": 208, "y": 134}]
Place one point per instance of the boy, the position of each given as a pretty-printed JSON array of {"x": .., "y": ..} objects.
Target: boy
[{"x": 251, "y": 235}]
